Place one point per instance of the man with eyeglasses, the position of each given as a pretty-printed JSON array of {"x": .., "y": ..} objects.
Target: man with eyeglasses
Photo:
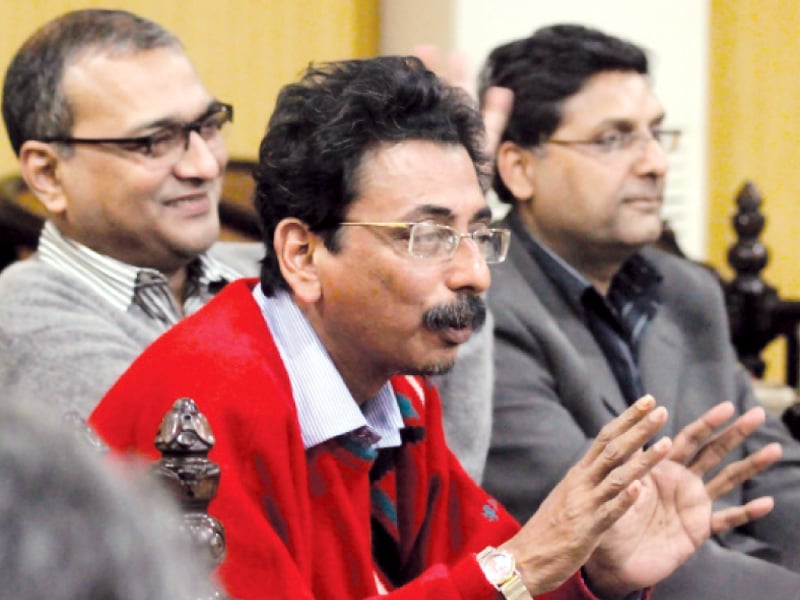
[
  {"x": 123, "y": 145},
  {"x": 589, "y": 317},
  {"x": 336, "y": 478}
]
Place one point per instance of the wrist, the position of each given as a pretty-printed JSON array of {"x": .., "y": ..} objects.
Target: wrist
[
  {"x": 606, "y": 586},
  {"x": 500, "y": 570}
]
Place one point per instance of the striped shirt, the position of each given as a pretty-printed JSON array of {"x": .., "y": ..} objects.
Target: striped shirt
[
  {"x": 617, "y": 321},
  {"x": 325, "y": 407},
  {"x": 128, "y": 287}
]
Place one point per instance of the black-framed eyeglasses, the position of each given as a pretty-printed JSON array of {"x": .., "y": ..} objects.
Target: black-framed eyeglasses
[
  {"x": 167, "y": 141},
  {"x": 429, "y": 240},
  {"x": 620, "y": 141}
]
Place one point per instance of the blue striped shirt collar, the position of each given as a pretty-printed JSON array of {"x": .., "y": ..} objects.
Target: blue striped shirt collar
[{"x": 325, "y": 407}]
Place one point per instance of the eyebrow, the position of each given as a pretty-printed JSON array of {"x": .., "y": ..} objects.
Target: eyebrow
[
  {"x": 171, "y": 122},
  {"x": 623, "y": 123},
  {"x": 434, "y": 211},
  {"x": 484, "y": 214}
]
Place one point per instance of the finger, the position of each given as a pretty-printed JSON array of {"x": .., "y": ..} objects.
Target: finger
[
  {"x": 734, "y": 474},
  {"x": 642, "y": 414},
  {"x": 695, "y": 434},
  {"x": 497, "y": 104},
  {"x": 735, "y": 516},
  {"x": 429, "y": 55},
  {"x": 713, "y": 452},
  {"x": 620, "y": 489},
  {"x": 459, "y": 72},
  {"x": 456, "y": 71},
  {"x": 497, "y": 101},
  {"x": 632, "y": 470},
  {"x": 609, "y": 512}
]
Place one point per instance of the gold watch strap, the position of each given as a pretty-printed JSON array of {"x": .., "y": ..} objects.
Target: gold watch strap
[{"x": 512, "y": 588}]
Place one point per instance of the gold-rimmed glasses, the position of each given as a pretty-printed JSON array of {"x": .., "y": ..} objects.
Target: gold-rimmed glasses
[
  {"x": 619, "y": 142},
  {"x": 434, "y": 241}
]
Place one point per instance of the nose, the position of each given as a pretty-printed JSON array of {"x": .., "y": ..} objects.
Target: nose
[
  {"x": 652, "y": 158},
  {"x": 467, "y": 270},
  {"x": 200, "y": 160}
]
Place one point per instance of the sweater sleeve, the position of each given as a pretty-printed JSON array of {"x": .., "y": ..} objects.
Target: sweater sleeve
[{"x": 61, "y": 343}]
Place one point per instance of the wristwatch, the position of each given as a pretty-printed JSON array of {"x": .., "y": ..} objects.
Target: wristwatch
[{"x": 500, "y": 570}]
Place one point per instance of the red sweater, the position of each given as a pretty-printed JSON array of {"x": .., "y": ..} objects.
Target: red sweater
[{"x": 306, "y": 524}]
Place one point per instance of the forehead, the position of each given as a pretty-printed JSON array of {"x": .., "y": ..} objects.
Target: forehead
[
  {"x": 611, "y": 97},
  {"x": 402, "y": 180},
  {"x": 125, "y": 90}
]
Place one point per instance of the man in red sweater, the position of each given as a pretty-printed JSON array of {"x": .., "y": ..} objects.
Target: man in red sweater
[{"x": 336, "y": 479}]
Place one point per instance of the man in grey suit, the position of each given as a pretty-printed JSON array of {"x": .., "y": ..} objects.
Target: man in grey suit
[{"x": 589, "y": 317}]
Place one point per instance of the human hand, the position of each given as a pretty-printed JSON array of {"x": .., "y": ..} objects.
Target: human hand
[
  {"x": 594, "y": 493},
  {"x": 673, "y": 513},
  {"x": 496, "y": 103}
]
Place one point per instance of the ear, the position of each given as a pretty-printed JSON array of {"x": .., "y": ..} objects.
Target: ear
[
  {"x": 39, "y": 165},
  {"x": 516, "y": 167},
  {"x": 294, "y": 245}
]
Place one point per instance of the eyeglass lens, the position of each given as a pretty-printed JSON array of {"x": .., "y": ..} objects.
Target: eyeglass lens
[{"x": 431, "y": 240}]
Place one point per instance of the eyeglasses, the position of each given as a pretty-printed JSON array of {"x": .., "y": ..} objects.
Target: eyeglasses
[
  {"x": 621, "y": 141},
  {"x": 170, "y": 141},
  {"x": 429, "y": 240}
]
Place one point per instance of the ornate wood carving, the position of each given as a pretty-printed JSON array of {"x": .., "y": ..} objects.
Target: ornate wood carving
[
  {"x": 184, "y": 440},
  {"x": 757, "y": 314}
]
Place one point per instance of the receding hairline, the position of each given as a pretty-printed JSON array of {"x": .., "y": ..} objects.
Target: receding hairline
[{"x": 82, "y": 59}]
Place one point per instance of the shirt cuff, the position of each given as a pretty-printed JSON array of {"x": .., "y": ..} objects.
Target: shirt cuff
[{"x": 635, "y": 595}]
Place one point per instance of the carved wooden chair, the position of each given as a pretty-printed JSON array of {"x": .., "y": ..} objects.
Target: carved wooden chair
[
  {"x": 236, "y": 211},
  {"x": 184, "y": 440},
  {"x": 757, "y": 313}
]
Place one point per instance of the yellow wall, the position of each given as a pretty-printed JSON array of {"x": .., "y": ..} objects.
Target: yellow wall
[
  {"x": 755, "y": 132},
  {"x": 244, "y": 49}
]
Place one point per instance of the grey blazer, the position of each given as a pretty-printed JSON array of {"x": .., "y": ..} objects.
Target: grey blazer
[{"x": 554, "y": 391}]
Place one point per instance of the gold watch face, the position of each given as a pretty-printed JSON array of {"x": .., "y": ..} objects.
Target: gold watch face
[{"x": 498, "y": 567}]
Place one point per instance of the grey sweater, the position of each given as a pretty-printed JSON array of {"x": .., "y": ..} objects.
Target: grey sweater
[{"x": 61, "y": 343}]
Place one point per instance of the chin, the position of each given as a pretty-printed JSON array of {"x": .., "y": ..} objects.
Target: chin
[
  {"x": 430, "y": 369},
  {"x": 201, "y": 242},
  {"x": 641, "y": 236}
]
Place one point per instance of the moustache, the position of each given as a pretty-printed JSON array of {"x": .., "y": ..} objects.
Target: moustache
[{"x": 469, "y": 310}]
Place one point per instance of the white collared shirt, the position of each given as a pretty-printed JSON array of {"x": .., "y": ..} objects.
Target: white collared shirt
[{"x": 325, "y": 406}]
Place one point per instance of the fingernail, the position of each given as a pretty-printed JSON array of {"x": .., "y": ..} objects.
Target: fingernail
[
  {"x": 662, "y": 444},
  {"x": 645, "y": 402},
  {"x": 657, "y": 415}
]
